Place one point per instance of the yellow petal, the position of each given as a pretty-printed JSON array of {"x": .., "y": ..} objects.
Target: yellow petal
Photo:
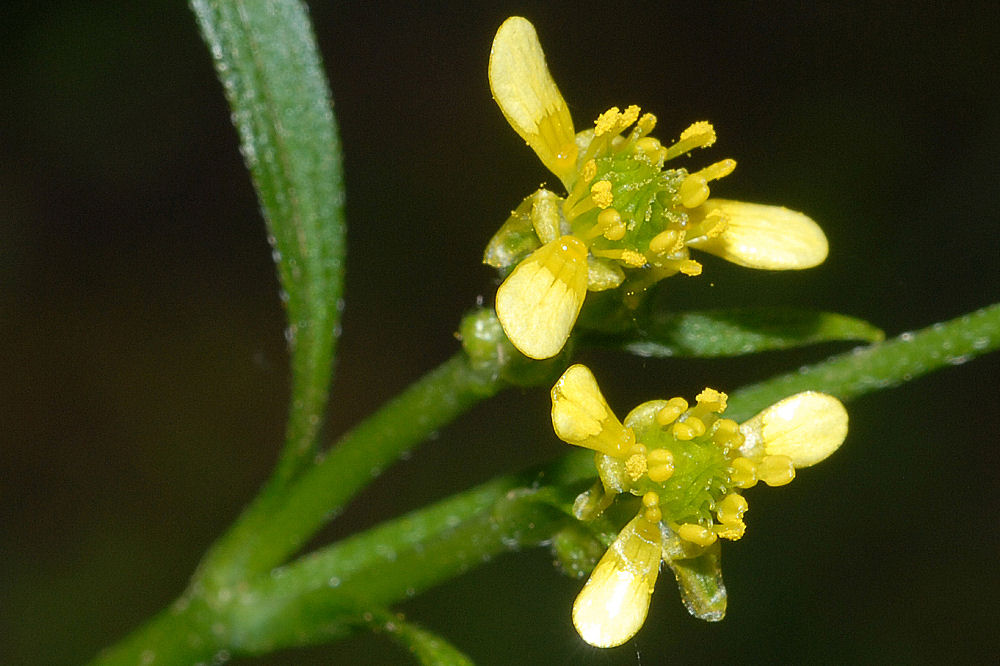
[
  {"x": 613, "y": 604},
  {"x": 581, "y": 415},
  {"x": 538, "y": 303},
  {"x": 529, "y": 98},
  {"x": 806, "y": 427},
  {"x": 759, "y": 236}
]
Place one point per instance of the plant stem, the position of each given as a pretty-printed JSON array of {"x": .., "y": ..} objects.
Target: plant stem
[
  {"x": 882, "y": 365},
  {"x": 279, "y": 522}
]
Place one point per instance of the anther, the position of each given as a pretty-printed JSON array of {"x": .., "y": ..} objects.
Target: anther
[
  {"x": 712, "y": 400},
  {"x": 610, "y": 220},
  {"x": 776, "y": 470},
  {"x": 696, "y": 534},
  {"x": 742, "y": 472},
  {"x": 667, "y": 242},
  {"x": 607, "y": 122},
  {"x": 600, "y": 193},
  {"x": 731, "y": 508},
  {"x": 669, "y": 413},
  {"x": 661, "y": 465},
  {"x": 689, "y": 428},
  {"x": 690, "y": 267},
  {"x": 699, "y": 135}
]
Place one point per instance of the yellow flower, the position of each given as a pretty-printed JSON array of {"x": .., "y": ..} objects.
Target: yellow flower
[
  {"x": 689, "y": 466},
  {"x": 624, "y": 217}
]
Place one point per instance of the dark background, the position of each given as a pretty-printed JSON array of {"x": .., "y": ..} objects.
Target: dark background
[{"x": 144, "y": 375}]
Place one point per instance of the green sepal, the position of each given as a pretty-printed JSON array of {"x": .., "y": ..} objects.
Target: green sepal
[
  {"x": 699, "y": 581},
  {"x": 515, "y": 239}
]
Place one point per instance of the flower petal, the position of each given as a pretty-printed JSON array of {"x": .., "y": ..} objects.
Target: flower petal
[
  {"x": 806, "y": 427},
  {"x": 529, "y": 98},
  {"x": 540, "y": 300},
  {"x": 767, "y": 237},
  {"x": 581, "y": 416},
  {"x": 613, "y": 604}
]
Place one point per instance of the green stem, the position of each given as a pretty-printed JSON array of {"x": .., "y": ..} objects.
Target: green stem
[
  {"x": 318, "y": 597},
  {"x": 882, "y": 365},
  {"x": 279, "y": 522}
]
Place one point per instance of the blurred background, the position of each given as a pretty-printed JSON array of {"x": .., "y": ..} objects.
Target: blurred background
[{"x": 143, "y": 379}]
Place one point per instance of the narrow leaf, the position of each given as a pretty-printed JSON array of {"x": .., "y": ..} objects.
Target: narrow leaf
[
  {"x": 266, "y": 57},
  {"x": 739, "y": 331}
]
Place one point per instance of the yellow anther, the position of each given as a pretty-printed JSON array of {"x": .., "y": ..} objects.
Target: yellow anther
[
  {"x": 635, "y": 466},
  {"x": 699, "y": 135},
  {"x": 633, "y": 258},
  {"x": 667, "y": 242},
  {"x": 718, "y": 170},
  {"x": 689, "y": 428},
  {"x": 588, "y": 172},
  {"x": 650, "y": 499},
  {"x": 776, "y": 470},
  {"x": 600, "y": 193},
  {"x": 650, "y": 149},
  {"x": 743, "y": 472},
  {"x": 731, "y": 531},
  {"x": 726, "y": 428},
  {"x": 714, "y": 224},
  {"x": 610, "y": 220},
  {"x": 646, "y": 124},
  {"x": 607, "y": 122},
  {"x": 696, "y": 534},
  {"x": 712, "y": 400},
  {"x": 731, "y": 508},
  {"x": 703, "y": 131},
  {"x": 690, "y": 267},
  {"x": 661, "y": 465},
  {"x": 674, "y": 408},
  {"x": 660, "y": 457},
  {"x": 629, "y": 117},
  {"x": 726, "y": 433},
  {"x": 693, "y": 191}
]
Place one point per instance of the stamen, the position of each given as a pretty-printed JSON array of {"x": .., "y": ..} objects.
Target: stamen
[
  {"x": 727, "y": 434},
  {"x": 699, "y": 135},
  {"x": 712, "y": 400},
  {"x": 626, "y": 256},
  {"x": 581, "y": 187},
  {"x": 607, "y": 122},
  {"x": 667, "y": 242},
  {"x": 674, "y": 408},
  {"x": 731, "y": 508},
  {"x": 651, "y": 502},
  {"x": 600, "y": 192},
  {"x": 609, "y": 224},
  {"x": 697, "y": 534},
  {"x": 649, "y": 148},
  {"x": 694, "y": 191},
  {"x": 689, "y": 428},
  {"x": 776, "y": 470},
  {"x": 690, "y": 267},
  {"x": 629, "y": 117},
  {"x": 661, "y": 465},
  {"x": 743, "y": 473}
]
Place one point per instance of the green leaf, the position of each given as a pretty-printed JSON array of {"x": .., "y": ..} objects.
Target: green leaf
[
  {"x": 266, "y": 57},
  {"x": 741, "y": 331}
]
